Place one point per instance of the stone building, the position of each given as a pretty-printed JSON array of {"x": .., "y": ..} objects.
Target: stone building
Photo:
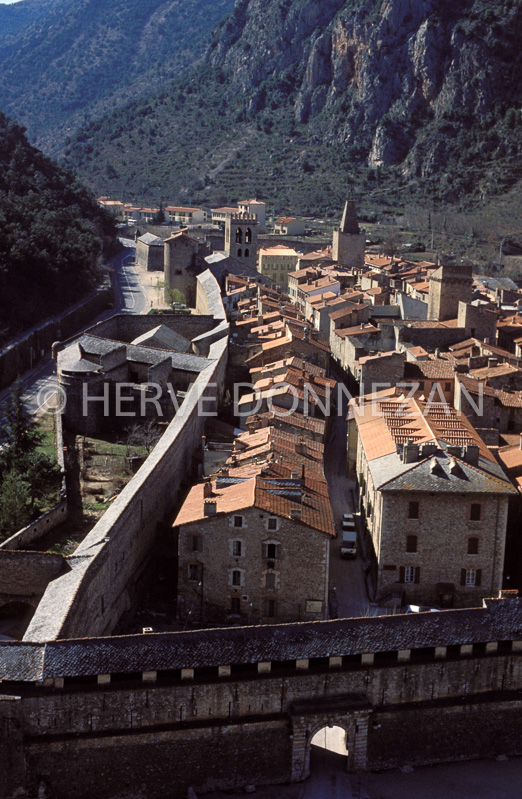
[
  {"x": 276, "y": 262},
  {"x": 241, "y": 238},
  {"x": 349, "y": 240},
  {"x": 257, "y": 207},
  {"x": 242, "y": 545},
  {"x": 184, "y": 259},
  {"x": 450, "y": 284},
  {"x": 434, "y": 499},
  {"x": 150, "y": 252}
]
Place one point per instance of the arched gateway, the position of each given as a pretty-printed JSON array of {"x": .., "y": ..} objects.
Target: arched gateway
[{"x": 351, "y": 713}]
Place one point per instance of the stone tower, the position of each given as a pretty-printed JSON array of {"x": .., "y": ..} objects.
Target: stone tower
[
  {"x": 182, "y": 262},
  {"x": 450, "y": 284},
  {"x": 241, "y": 238},
  {"x": 348, "y": 239}
]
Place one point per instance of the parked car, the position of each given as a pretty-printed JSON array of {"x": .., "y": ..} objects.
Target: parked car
[{"x": 349, "y": 537}]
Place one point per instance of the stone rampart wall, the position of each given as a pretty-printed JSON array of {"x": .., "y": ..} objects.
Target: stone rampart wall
[
  {"x": 91, "y": 599},
  {"x": 25, "y": 352},
  {"x": 210, "y": 732}
]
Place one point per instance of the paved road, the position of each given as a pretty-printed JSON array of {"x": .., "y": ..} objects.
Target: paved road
[
  {"x": 328, "y": 779},
  {"x": 129, "y": 297},
  {"x": 346, "y": 576}
]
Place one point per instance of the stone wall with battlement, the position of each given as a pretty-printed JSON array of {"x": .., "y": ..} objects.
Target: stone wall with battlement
[
  {"x": 219, "y": 709},
  {"x": 99, "y": 588}
]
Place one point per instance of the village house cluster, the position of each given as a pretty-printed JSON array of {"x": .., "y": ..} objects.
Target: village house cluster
[{"x": 431, "y": 355}]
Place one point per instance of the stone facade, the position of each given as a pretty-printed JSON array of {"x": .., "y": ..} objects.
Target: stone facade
[
  {"x": 238, "y": 548},
  {"x": 241, "y": 238},
  {"x": 451, "y": 692},
  {"x": 348, "y": 240},
  {"x": 435, "y": 512},
  {"x": 449, "y": 285},
  {"x": 183, "y": 257}
]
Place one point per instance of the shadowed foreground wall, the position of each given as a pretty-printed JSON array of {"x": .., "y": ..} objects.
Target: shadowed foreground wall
[{"x": 146, "y": 716}]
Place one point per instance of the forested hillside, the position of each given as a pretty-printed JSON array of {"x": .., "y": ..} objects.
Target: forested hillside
[
  {"x": 51, "y": 234},
  {"x": 78, "y": 58},
  {"x": 16, "y": 17},
  {"x": 404, "y": 100}
]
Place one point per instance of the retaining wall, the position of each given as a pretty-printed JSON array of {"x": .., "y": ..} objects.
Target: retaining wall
[{"x": 25, "y": 352}]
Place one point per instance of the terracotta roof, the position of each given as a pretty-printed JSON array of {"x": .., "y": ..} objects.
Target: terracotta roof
[{"x": 431, "y": 370}]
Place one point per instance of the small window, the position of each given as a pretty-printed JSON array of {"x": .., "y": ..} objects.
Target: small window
[
  {"x": 409, "y": 574},
  {"x": 411, "y": 543},
  {"x": 195, "y": 570},
  {"x": 270, "y": 580},
  {"x": 194, "y": 543},
  {"x": 239, "y": 253},
  {"x": 473, "y": 546},
  {"x": 236, "y": 577},
  {"x": 272, "y": 550},
  {"x": 413, "y": 510},
  {"x": 247, "y": 252},
  {"x": 270, "y": 608},
  {"x": 475, "y": 512},
  {"x": 272, "y": 524},
  {"x": 235, "y": 605},
  {"x": 238, "y": 521},
  {"x": 237, "y": 549},
  {"x": 471, "y": 577}
]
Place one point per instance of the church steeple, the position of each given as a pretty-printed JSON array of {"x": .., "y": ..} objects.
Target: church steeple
[
  {"x": 348, "y": 239},
  {"x": 349, "y": 222}
]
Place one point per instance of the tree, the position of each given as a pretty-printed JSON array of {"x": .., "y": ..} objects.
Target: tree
[
  {"x": 143, "y": 435},
  {"x": 391, "y": 244},
  {"x": 15, "y": 502},
  {"x": 43, "y": 476},
  {"x": 20, "y": 429}
]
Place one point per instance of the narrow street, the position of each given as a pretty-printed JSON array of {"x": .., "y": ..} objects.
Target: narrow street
[{"x": 347, "y": 579}]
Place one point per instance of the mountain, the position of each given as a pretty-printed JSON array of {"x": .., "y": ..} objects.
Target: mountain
[
  {"x": 15, "y": 17},
  {"x": 76, "y": 59},
  {"x": 51, "y": 234},
  {"x": 298, "y": 99}
]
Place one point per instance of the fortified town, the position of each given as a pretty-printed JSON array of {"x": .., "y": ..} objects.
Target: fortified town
[{"x": 325, "y": 534}]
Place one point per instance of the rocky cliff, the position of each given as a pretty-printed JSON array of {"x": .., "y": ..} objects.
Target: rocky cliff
[
  {"x": 398, "y": 78},
  {"x": 297, "y": 98}
]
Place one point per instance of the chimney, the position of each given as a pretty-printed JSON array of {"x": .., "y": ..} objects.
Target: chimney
[
  {"x": 300, "y": 448},
  {"x": 209, "y": 508},
  {"x": 492, "y": 362},
  {"x": 410, "y": 452},
  {"x": 207, "y": 490},
  {"x": 471, "y": 454}
]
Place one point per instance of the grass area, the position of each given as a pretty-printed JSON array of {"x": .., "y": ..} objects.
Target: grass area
[
  {"x": 48, "y": 443},
  {"x": 97, "y": 471}
]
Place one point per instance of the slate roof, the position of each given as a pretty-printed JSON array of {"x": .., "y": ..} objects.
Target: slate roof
[
  {"x": 151, "y": 240},
  {"x": 498, "y": 620}
]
